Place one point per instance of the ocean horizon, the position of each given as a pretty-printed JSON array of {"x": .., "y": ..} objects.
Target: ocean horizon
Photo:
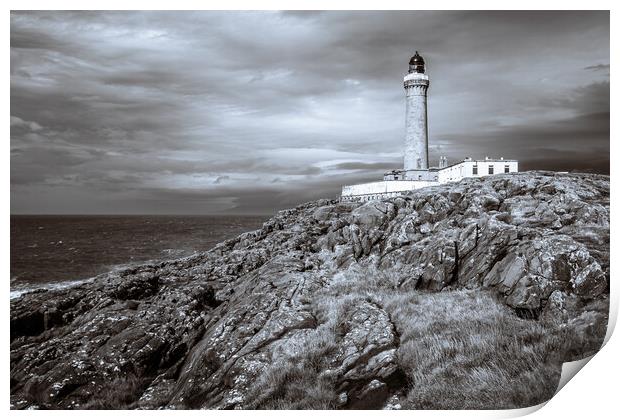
[{"x": 60, "y": 251}]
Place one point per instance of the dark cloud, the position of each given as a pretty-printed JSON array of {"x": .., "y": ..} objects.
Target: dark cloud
[
  {"x": 366, "y": 166},
  {"x": 598, "y": 67},
  {"x": 246, "y": 112}
]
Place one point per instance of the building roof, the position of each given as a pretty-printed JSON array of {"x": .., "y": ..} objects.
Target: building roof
[
  {"x": 416, "y": 64},
  {"x": 435, "y": 169},
  {"x": 416, "y": 59}
]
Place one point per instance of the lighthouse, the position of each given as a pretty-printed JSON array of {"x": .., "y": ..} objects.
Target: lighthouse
[
  {"x": 416, "y": 172},
  {"x": 416, "y": 122}
]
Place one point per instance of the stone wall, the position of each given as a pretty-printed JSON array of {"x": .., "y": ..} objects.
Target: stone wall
[{"x": 381, "y": 189}]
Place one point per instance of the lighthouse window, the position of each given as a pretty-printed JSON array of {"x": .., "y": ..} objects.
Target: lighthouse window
[
  {"x": 490, "y": 169},
  {"x": 506, "y": 169},
  {"x": 475, "y": 170}
]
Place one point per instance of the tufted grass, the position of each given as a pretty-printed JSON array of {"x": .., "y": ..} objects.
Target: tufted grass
[
  {"x": 120, "y": 394},
  {"x": 465, "y": 350},
  {"x": 296, "y": 383},
  {"x": 459, "y": 349}
]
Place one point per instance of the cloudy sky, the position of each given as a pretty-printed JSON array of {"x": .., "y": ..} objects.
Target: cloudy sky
[{"x": 248, "y": 112}]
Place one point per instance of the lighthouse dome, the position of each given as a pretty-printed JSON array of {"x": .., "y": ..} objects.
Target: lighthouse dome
[{"x": 416, "y": 64}]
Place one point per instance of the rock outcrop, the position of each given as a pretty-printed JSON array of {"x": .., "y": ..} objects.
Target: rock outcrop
[{"x": 201, "y": 332}]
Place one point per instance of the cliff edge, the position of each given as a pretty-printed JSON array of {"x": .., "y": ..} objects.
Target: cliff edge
[{"x": 465, "y": 295}]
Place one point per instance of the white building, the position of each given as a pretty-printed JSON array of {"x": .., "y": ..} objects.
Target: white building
[{"x": 416, "y": 173}]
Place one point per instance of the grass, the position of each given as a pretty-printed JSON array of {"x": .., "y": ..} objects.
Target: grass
[
  {"x": 464, "y": 349},
  {"x": 120, "y": 394},
  {"x": 296, "y": 383},
  {"x": 460, "y": 349}
]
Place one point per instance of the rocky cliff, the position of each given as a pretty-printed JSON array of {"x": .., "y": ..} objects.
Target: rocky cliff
[{"x": 465, "y": 295}]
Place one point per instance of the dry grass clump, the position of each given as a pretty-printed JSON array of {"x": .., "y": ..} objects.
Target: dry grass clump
[
  {"x": 293, "y": 385},
  {"x": 459, "y": 349},
  {"x": 121, "y": 394},
  {"x": 464, "y": 349},
  {"x": 296, "y": 382},
  {"x": 359, "y": 280}
]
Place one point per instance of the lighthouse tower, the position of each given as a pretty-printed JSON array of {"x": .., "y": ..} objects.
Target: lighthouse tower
[{"x": 416, "y": 129}]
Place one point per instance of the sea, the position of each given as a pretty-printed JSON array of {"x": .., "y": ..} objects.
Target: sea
[{"x": 54, "y": 252}]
